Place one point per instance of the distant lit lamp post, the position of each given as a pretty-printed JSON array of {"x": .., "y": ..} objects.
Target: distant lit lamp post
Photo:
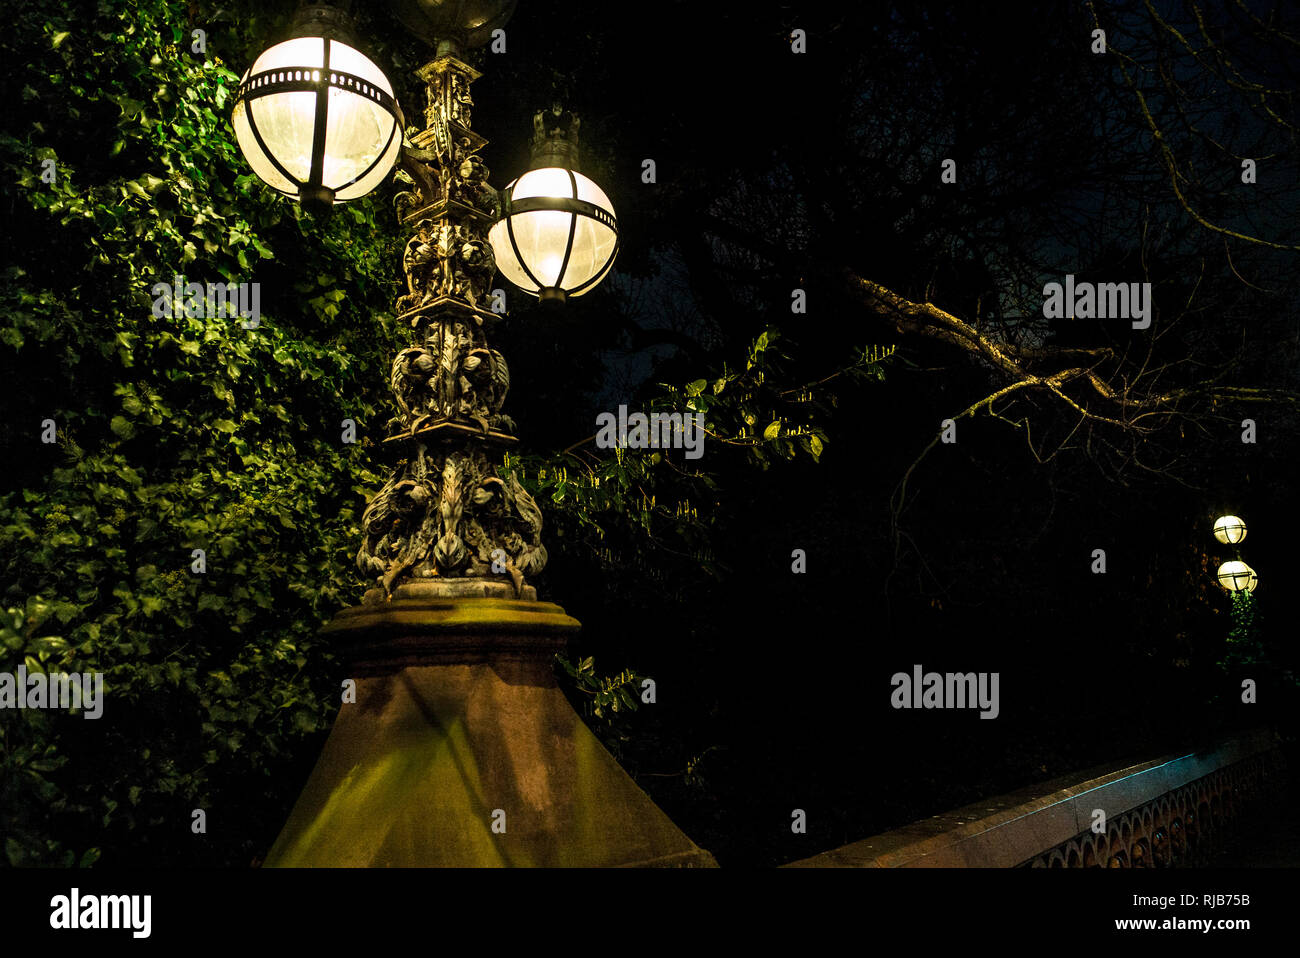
[
  {"x": 1240, "y": 580},
  {"x": 1234, "y": 575},
  {"x": 456, "y": 725}
]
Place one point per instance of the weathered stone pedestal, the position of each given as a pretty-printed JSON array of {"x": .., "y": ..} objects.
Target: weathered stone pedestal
[{"x": 458, "y": 722}]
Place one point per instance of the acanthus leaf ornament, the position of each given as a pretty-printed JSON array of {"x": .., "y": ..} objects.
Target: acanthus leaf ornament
[{"x": 446, "y": 520}]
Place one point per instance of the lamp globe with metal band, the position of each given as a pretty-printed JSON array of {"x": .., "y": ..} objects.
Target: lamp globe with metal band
[
  {"x": 558, "y": 235},
  {"x": 1236, "y": 576},
  {"x": 1229, "y": 530},
  {"x": 314, "y": 117}
]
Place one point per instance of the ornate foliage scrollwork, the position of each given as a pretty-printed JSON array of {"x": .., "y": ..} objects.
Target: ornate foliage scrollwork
[
  {"x": 445, "y": 513},
  {"x": 448, "y": 514}
]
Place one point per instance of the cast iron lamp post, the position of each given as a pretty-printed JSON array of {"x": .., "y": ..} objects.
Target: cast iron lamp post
[
  {"x": 318, "y": 120},
  {"x": 456, "y": 747}
]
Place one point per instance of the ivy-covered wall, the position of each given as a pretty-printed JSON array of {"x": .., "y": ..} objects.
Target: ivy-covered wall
[{"x": 171, "y": 434}]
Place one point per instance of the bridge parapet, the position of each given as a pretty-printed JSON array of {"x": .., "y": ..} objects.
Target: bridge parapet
[{"x": 1161, "y": 813}]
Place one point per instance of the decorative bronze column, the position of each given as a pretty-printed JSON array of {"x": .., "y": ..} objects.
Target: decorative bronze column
[
  {"x": 446, "y": 524},
  {"x": 454, "y": 746}
]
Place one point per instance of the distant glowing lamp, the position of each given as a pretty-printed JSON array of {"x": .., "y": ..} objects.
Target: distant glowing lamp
[
  {"x": 1229, "y": 530},
  {"x": 1236, "y": 576}
]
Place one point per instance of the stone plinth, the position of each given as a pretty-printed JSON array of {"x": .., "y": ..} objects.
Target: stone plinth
[{"x": 458, "y": 723}]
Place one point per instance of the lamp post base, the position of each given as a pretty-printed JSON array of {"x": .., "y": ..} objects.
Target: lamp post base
[{"x": 460, "y": 751}]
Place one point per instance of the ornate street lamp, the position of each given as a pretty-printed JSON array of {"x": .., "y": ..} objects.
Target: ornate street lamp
[
  {"x": 314, "y": 117},
  {"x": 446, "y": 523},
  {"x": 456, "y": 707},
  {"x": 318, "y": 121},
  {"x": 1230, "y": 530},
  {"x": 557, "y": 236},
  {"x": 1236, "y": 576}
]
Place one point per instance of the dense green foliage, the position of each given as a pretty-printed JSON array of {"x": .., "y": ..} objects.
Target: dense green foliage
[
  {"x": 1244, "y": 641},
  {"x": 173, "y": 434}
]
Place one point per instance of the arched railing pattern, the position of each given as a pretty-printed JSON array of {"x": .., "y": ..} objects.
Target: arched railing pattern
[{"x": 1180, "y": 828}]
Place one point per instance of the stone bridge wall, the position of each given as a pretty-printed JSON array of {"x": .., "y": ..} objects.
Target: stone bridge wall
[{"x": 1161, "y": 813}]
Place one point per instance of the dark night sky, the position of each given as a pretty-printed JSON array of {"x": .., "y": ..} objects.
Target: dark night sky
[{"x": 830, "y": 157}]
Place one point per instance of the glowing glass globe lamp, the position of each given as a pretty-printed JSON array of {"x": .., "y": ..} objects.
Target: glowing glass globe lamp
[
  {"x": 558, "y": 235},
  {"x": 314, "y": 117},
  {"x": 1236, "y": 576},
  {"x": 1229, "y": 530}
]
